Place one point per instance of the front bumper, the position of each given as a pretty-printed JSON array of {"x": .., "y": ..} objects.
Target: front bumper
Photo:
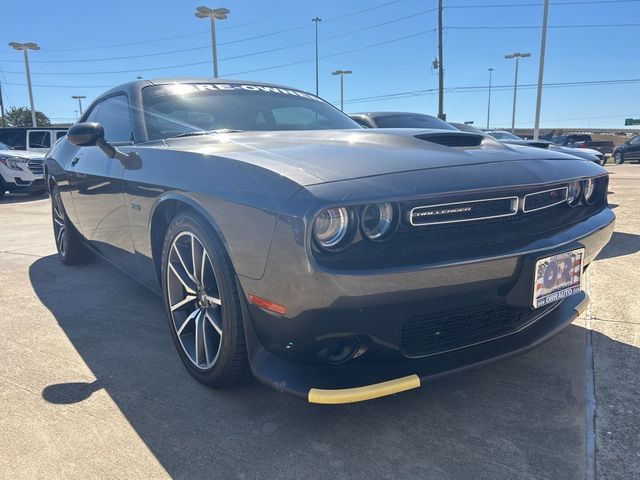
[{"x": 288, "y": 351}]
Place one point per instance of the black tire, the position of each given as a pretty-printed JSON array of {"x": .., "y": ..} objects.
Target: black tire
[
  {"x": 230, "y": 365},
  {"x": 618, "y": 158},
  {"x": 71, "y": 249},
  {"x": 2, "y": 188}
]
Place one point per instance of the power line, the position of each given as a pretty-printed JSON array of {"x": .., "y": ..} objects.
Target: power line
[
  {"x": 519, "y": 27},
  {"x": 539, "y": 4}
]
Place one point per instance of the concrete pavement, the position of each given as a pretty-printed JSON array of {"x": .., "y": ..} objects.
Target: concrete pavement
[{"x": 91, "y": 386}]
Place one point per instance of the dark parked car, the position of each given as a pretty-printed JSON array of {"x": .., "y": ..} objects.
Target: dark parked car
[
  {"x": 399, "y": 120},
  {"x": 628, "y": 151},
  {"x": 581, "y": 140},
  {"x": 337, "y": 263}
]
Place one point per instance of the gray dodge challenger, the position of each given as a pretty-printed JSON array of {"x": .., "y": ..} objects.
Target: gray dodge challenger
[{"x": 334, "y": 263}]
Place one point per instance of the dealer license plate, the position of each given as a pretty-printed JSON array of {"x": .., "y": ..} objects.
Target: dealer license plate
[{"x": 557, "y": 277}]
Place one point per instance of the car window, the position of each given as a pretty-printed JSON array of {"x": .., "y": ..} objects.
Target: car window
[
  {"x": 635, "y": 141},
  {"x": 504, "y": 136},
  {"x": 178, "y": 109},
  {"x": 113, "y": 114},
  {"x": 4, "y": 146},
  {"x": 39, "y": 139},
  {"x": 411, "y": 121},
  {"x": 361, "y": 121},
  {"x": 59, "y": 135}
]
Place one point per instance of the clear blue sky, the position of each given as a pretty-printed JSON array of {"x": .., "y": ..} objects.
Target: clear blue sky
[{"x": 402, "y": 33}]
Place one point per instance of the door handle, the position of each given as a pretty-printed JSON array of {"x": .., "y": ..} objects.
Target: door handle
[{"x": 74, "y": 161}]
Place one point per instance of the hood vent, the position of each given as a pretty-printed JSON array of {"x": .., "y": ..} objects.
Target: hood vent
[{"x": 461, "y": 139}]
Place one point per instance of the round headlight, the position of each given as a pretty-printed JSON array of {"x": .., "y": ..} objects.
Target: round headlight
[
  {"x": 589, "y": 191},
  {"x": 377, "y": 221},
  {"x": 331, "y": 226},
  {"x": 573, "y": 194}
]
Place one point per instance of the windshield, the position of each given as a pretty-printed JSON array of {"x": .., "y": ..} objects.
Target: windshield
[
  {"x": 183, "y": 109},
  {"x": 4, "y": 146},
  {"x": 411, "y": 121},
  {"x": 504, "y": 136}
]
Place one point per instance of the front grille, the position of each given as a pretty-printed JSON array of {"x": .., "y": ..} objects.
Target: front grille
[
  {"x": 450, "y": 330},
  {"x": 545, "y": 199},
  {"x": 463, "y": 211},
  {"x": 36, "y": 165}
]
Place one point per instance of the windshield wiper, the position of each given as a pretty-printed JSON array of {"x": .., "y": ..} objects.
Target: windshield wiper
[{"x": 205, "y": 132}]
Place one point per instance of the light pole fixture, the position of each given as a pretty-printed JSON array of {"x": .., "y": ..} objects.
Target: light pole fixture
[
  {"x": 24, "y": 47},
  {"x": 543, "y": 45},
  {"x": 79, "y": 98},
  {"x": 316, "y": 21},
  {"x": 490, "y": 70},
  {"x": 342, "y": 73},
  {"x": 214, "y": 14},
  {"x": 517, "y": 56}
]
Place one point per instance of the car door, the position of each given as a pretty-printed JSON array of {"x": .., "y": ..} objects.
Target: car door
[
  {"x": 97, "y": 188},
  {"x": 633, "y": 149}
]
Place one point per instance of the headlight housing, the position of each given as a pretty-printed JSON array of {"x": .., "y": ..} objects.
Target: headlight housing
[
  {"x": 12, "y": 162},
  {"x": 590, "y": 190},
  {"x": 574, "y": 193},
  {"x": 378, "y": 221},
  {"x": 331, "y": 227}
]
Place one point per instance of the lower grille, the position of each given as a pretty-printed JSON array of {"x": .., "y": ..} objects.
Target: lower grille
[
  {"x": 453, "y": 329},
  {"x": 36, "y": 165}
]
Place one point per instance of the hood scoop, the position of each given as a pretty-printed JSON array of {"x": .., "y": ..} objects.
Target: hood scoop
[{"x": 455, "y": 139}]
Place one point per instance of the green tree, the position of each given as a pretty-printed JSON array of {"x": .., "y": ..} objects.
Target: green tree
[{"x": 21, "y": 117}]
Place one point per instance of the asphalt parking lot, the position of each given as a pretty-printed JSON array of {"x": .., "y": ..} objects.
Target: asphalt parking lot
[{"x": 91, "y": 386}]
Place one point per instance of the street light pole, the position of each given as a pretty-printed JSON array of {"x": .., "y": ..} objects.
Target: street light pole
[
  {"x": 79, "y": 98},
  {"x": 441, "y": 114},
  {"x": 489, "y": 102},
  {"x": 213, "y": 14},
  {"x": 543, "y": 44},
  {"x": 316, "y": 21},
  {"x": 517, "y": 56},
  {"x": 24, "y": 47},
  {"x": 342, "y": 73}
]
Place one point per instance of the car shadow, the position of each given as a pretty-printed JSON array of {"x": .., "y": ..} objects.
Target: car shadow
[
  {"x": 22, "y": 198},
  {"x": 621, "y": 244},
  {"x": 521, "y": 418}
]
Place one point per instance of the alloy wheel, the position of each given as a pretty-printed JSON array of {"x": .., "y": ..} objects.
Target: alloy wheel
[
  {"x": 194, "y": 299},
  {"x": 59, "y": 225}
]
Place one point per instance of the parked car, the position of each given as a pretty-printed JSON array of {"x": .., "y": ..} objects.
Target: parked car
[
  {"x": 337, "y": 263},
  {"x": 629, "y": 150},
  {"x": 510, "y": 138},
  {"x": 581, "y": 140},
  {"x": 20, "y": 171},
  {"x": 32, "y": 139},
  {"x": 399, "y": 120}
]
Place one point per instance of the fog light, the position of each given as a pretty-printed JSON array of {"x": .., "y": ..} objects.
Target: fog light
[{"x": 341, "y": 350}]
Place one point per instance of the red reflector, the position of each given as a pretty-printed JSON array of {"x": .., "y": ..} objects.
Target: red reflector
[{"x": 274, "y": 307}]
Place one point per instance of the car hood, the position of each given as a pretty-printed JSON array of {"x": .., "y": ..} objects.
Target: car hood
[
  {"x": 578, "y": 152},
  {"x": 22, "y": 153},
  {"x": 318, "y": 156}
]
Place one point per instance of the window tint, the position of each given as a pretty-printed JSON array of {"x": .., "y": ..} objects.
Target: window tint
[
  {"x": 172, "y": 110},
  {"x": 412, "y": 121},
  {"x": 59, "y": 135},
  {"x": 14, "y": 139},
  {"x": 113, "y": 114},
  {"x": 635, "y": 141},
  {"x": 361, "y": 121},
  {"x": 39, "y": 139}
]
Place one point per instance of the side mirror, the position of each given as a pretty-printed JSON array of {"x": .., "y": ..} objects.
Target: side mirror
[{"x": 86, "y": 134}]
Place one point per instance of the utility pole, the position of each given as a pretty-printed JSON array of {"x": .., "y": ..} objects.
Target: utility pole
[
  {"x": 517, "y": 56},
  {"x": 316, "y": 21},
  {"x": 24, "y": 47},
  {"x": 1, "y": 108},
  {"x": 342, "y": 73},
  {"x": 489, "y": 102},
  {"x": 441, "y": 114},
  {"x": 213, "y": 14},
  {"x": 543, "y": 44}
]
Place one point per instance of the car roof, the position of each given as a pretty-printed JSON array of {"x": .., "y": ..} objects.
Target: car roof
[{"x": 386, "y": 114}]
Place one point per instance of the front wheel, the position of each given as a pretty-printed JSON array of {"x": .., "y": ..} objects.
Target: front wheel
[
  {"x": 70, "y": 248},
  {"x": 203, "y": 303},
  {"x": 618, "y": 159}
]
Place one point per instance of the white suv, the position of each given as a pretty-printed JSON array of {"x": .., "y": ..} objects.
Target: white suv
[{"x": 20, "y": 171}]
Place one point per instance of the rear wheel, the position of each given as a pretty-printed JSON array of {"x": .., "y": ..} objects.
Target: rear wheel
[
  {"x": 2, "y": 188},
  {"x": 70, "y": 248},
  {"x": 203, "y": 303},
  {"x": 618, "y": 159}
]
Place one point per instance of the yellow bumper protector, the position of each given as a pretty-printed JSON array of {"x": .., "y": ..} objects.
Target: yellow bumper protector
[{"x": 367, "y": 392}]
